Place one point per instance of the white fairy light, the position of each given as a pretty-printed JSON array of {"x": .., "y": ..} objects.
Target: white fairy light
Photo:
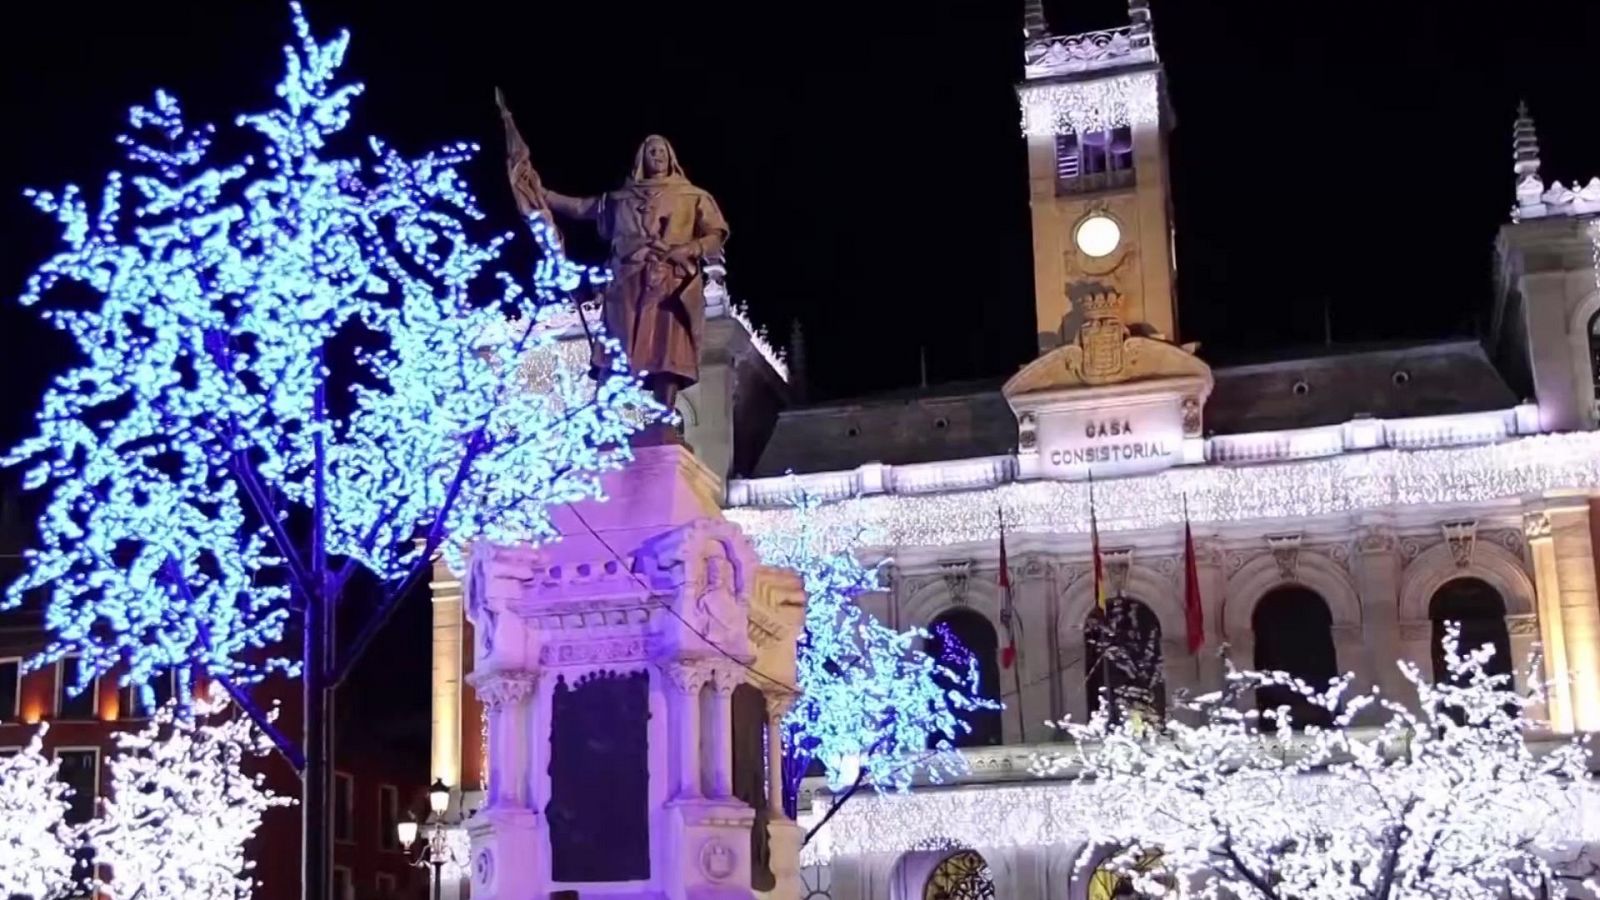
[
  {"x": 181, "y": 807},
  {"x": 36, "y": 843},
  {"x": 1338, "y": 485},
  {"x": 1497, "y": 808},
  {"x": 758, "y": 339},
  {"x": 1090, "y": 105}
]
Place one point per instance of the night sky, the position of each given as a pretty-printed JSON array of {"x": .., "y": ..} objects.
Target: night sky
[
  {"x": 1347, "y": 158},
  {"x": 1353, "y": 156}
]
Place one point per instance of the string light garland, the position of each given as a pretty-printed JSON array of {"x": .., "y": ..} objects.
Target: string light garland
[
  {"x": 871, "y": 702},
  {"x": 1218, "y": 494},
  {"x": 1090, "y": 105},
  {"x": 36, "y": 843},
  {"x": 207, "y": 410}
]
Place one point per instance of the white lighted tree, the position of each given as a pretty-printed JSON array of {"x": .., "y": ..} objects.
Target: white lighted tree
[
  {"x": 295, "y": 367},
  {"x": 1445, "y": 799},
  {"x": 36, "y": 843},
  {"x": 874, "y": 708},
  {"x": 181, "y": 807}
]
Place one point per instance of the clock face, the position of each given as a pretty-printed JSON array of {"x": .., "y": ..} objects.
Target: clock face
[{"x": 1097, "y": 235}]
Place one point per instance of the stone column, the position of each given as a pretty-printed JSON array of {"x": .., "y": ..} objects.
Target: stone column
[
  {"x": 684, "y": 681},
  {"x": 1213, "y": 595},
  {"x": 1074, "y": 690},
  {"x": 512, "y": 749},
  {"x": 784, "y": 836},
  {"x": 446, "y": 686},
  {"x": 1413, "y": 643},
  {"x": 1375, "y": 565},
  {"x": 1564, "y": 569},
  {"x": 1524, "y": 633},
  {"x": 1350, "y": 648},
  {"x": 719, "y": 727}
]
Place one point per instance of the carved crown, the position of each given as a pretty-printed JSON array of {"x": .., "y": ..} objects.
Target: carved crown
[{"x": 1101, "y": 304}]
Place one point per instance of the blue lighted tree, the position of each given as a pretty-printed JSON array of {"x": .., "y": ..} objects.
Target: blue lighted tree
[
  {"x": 296, "y": 366},
  {"x": 874, "y": 709}
]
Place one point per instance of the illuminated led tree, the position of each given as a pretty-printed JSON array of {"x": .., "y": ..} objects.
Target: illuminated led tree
[
  {"x": 296, "y": 366},
  {"x": 1444, "y": 800},
  {"x": 181, "y": 807},
  {"x": 874, "y": 709},
  {"x": 36, "y": 843}
]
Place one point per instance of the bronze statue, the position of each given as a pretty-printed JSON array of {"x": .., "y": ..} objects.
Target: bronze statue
[{"x": 660, "y": 227}]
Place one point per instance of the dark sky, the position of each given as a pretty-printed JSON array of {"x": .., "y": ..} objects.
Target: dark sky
[{"x": 1353, "y": 154}]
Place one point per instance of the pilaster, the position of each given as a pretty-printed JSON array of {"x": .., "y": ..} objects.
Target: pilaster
[{"x": 1562, "y": 550}]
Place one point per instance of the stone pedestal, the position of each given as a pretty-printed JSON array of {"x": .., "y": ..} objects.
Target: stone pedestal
[{"x": 607, "y": 662}]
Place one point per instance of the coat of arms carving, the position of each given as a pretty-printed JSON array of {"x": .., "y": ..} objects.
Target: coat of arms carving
[{"x": 1101, "y": 354}]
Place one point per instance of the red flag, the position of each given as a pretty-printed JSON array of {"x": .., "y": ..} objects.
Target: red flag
[
  {"x": 1008, "y": 653},
  {"x": 1193, "y": 616},
  {"x": 1094, "y": 548}
]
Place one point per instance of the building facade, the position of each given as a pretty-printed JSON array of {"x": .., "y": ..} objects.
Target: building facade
[
  {"x": 376, "y": 783},
  {"x": 1344, "y": 503}
]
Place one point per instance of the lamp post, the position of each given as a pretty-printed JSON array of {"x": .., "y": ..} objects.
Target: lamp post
[{"x": 435, "y": 850}]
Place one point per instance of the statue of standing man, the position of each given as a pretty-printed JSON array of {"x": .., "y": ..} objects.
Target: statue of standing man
[{"x": 661, "y": 227}]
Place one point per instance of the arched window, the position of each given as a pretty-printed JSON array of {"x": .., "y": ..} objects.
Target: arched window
[
  {"x": 1122, "y": 659},
  {"x": 953, "y": 636},
  {"x": 1481, "y": 612},
  {"x": 963, "y": 875},
  {"x": 1294, "y": 634}
]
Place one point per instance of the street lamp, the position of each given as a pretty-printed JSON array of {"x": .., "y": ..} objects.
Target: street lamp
[{"x": 434, "y": 851}]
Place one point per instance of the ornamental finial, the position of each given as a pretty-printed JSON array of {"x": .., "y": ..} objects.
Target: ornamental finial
[
  {"x": 1033, "y": 21},
  {"x": 1524, "y": 143}
]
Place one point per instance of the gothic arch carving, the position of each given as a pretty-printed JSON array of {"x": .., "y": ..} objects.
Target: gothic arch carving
[
  {"x": 1491, "y": 562},
  {"x": 1261, "y": 574},
  {"x": 1144, "y": 584}
]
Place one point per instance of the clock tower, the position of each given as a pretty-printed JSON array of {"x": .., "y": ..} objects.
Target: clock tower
[{"x": 1096, "y": 121}]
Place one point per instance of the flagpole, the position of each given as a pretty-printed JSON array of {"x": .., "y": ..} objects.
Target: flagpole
[
  {"x": 1102, "y": 606},
  {"x": 1008, "y": 618}
]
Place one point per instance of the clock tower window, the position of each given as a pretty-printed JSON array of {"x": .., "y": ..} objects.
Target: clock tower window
[{"x": 1094, "y": 161}]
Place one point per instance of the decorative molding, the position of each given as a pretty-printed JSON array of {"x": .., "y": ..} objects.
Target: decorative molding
[
  {"x": 1090, "y": 51},
  {"x": 1286, "y": 553},
  {"x": 592, "y": 652},
  {"x": 1536, "y": 526},
  {"x": 1522, "y": 626},
  {"x": 1510, "y": 538},
  {"x": 956, "y": 575},
  {"x": 1461, "y": 536},
  {"x": 686, "y": 676},
  {"x": 778, "y": 703},
  {"x": 498, "y": 690},
  {"x": 1375, "y": 539},
  {"x": 1117, "y": 562},
  {"x": 1411, "y": 547},
  {"x": 1339, "y": 553}
]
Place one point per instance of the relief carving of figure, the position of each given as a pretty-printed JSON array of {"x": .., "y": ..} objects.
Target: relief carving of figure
[{"x": 660, "y": 227}]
